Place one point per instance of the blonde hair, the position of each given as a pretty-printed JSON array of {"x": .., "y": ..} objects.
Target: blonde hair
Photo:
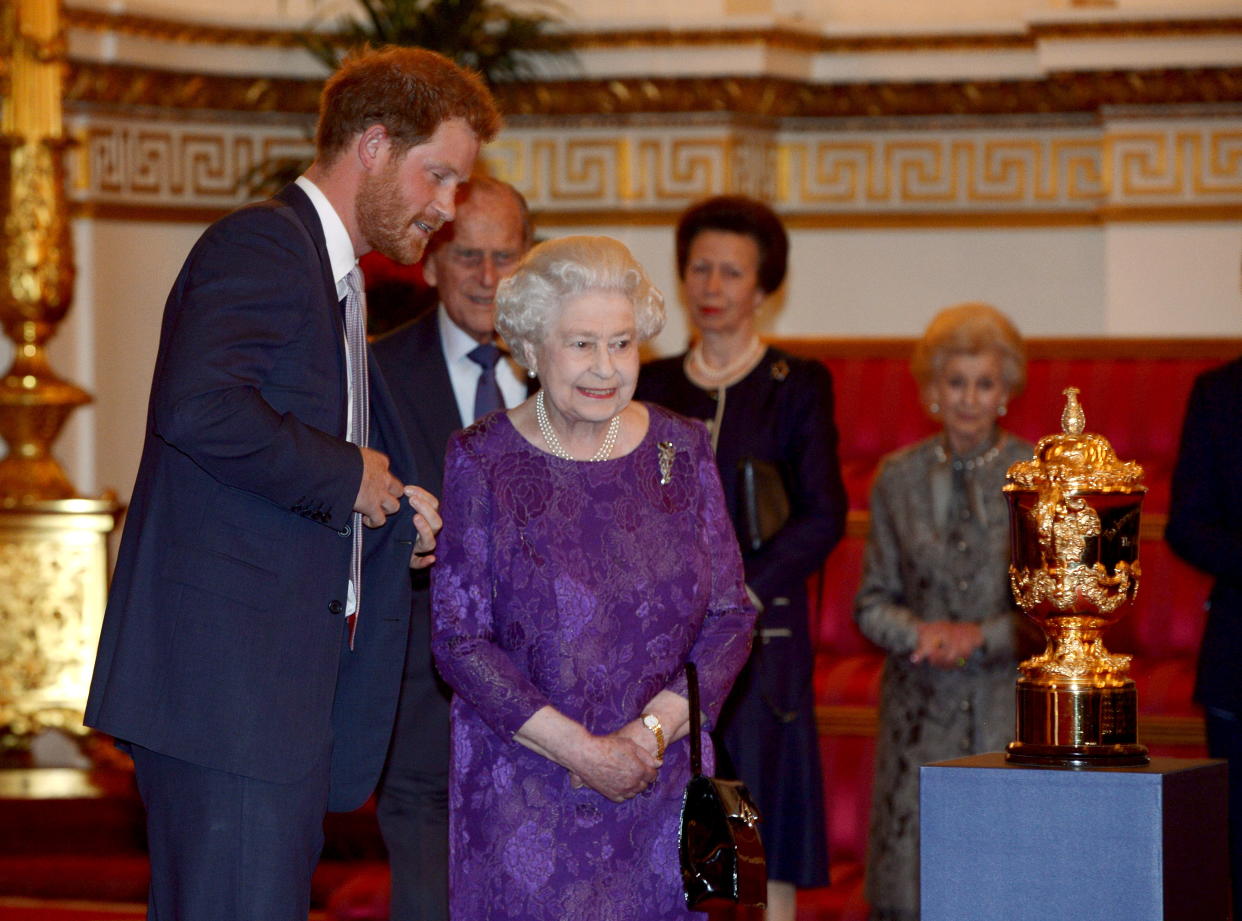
[
  {"x": 528, "y": 301},
  {"x": 969, "y": 329}
]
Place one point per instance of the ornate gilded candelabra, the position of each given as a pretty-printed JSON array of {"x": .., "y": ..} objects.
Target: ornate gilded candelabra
[
  {"x": 1074, "y": 526},
  {"x": 53, "y": 551}
]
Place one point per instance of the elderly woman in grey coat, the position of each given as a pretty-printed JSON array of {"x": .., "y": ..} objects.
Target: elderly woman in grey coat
[{"x": 935, "y": 590}]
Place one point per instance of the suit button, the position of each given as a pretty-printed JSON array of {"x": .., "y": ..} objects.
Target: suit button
[{"x": 335, "y": 606}]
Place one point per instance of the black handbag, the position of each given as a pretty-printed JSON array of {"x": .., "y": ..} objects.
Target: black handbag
[
  {"x": 722, "y": 860},
  {"x": 765, "y": 502}
]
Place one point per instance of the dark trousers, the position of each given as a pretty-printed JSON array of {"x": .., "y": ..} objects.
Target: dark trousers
[
  {"x": 1224, "y": 735},
  {"x": 413, "y": 798},
  {"x": 229, "y": 848}
]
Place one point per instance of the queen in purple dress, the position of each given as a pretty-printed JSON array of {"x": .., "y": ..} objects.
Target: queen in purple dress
[{"x": 586, "y": 556}]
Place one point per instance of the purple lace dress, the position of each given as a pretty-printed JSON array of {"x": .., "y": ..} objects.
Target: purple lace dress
[{"x": 585, "y": 586}]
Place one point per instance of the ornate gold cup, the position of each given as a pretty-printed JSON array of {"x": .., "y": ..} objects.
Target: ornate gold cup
[{"x": 1074, "y": 528}]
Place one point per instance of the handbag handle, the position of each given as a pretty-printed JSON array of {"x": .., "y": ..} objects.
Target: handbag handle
[{"x": 696, "y": 743}]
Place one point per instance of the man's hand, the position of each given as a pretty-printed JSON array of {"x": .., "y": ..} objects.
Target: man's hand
[
  {"x": 426, "y": 522},
  {"x": 379, "y": 493}
]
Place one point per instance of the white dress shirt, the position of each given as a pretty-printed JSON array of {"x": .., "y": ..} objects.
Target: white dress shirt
[
  {"x": 342, "y": 261},
  {"x": 464, "y": 373}
]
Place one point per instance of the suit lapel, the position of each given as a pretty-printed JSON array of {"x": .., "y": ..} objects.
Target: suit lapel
[
  {"x": 430, "y": 397},
  {"x": 302, "y": 207}
]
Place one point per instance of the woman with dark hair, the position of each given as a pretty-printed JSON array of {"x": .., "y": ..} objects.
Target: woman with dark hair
[
  {"x": 771, "y": 418},
  {"x": 935, "y": 587}
]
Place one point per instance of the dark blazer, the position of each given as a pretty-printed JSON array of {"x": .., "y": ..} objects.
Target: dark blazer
[
  {"x": 222, "y": 639},
  {"x": 412, "y": 359},
  {"x": 1205, "y": 524}
]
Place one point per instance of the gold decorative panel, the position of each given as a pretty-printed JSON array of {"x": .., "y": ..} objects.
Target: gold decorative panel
[
  {"x": 53, "y": 566},
  {"x": 940, "y": 170},
  {"x": 1176, "y": 165},
  {"x": 100, "y": 84},
  {"x": 1037, "y": 171},
  {"x": 651, "y": 168},
  {"x": 176, "y": 164}
]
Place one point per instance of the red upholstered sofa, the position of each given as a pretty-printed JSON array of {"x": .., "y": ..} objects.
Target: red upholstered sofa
[{"x": 1134, "y": 393}]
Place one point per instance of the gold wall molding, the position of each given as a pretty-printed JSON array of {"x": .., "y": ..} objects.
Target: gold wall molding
[
  {"x": 94, "y": 83},
  {"x": 805, "y": 40},
  {"x": 1028, "y": 175},
  {"x": 177, "y": 30},
  {"x": 1175, "y": 166},
  {"x": 778, "y": 98},
  {"x": 907, "y": 171},
  {"x": 120, "y": 86},
  {"x": 179, "y": 165}
]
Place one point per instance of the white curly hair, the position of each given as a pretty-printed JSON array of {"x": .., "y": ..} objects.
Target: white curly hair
[{"x": 529, "y": 300}]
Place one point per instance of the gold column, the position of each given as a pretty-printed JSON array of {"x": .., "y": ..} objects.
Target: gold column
[{"x": 53, "y": 543}]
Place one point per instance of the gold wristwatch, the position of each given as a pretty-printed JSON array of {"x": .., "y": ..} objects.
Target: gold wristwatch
[{"x": 653, "y": 723}]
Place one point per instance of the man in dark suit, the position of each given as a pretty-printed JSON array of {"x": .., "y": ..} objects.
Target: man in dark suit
[
  {"x": 1205, "y": 529},
  {"x": 252, "y": 647},
  {"x": 445, "y": 371}
]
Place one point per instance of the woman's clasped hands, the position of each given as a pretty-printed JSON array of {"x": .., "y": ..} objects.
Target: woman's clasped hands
[
  {"x": 946, "y": 644},
  {"x": 618, "y": 765}
]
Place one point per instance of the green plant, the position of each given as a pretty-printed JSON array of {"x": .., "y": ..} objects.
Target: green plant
[{"x": 484, "y": 35}]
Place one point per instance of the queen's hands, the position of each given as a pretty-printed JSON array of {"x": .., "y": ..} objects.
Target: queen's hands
[{"x": 614, "y": 766}]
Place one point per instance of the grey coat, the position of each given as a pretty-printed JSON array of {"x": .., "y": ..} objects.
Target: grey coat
[{"x": 938, "y": 549}]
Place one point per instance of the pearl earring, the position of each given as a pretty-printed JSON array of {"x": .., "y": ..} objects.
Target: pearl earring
[
  {"x": 933, "y": 408},
  {"x": 1002, "y": 409},
  {"x": 530, "y": 372}
]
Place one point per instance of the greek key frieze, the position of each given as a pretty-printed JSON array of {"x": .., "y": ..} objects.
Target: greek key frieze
[
  {"x": 174, "y": 165},
  {"x": 940, "y": 171},
  {"x": 814, "y": 174},
  {"x": 1176, "y": 166}
]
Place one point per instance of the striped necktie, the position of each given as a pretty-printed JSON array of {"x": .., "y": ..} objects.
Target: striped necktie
[{"x": 360, "y": 410}]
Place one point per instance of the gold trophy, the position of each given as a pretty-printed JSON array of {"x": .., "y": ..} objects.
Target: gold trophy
[{"x": 1074, "y": 528}]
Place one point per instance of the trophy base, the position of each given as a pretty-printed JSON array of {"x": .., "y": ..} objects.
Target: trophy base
[{"x": 1076, "y": 726}]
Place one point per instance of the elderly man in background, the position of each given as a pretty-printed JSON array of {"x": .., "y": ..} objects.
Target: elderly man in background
[{"x": 445, "y": 370}]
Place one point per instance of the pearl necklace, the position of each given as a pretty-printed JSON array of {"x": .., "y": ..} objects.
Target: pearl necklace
[
  {"x": 970, "y": 463},
  {"x": 709, "y": 378},
  {"x": 554, "y": 443}
]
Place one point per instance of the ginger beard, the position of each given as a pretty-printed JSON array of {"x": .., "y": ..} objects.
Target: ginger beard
[{"x": 385, "y": 222}]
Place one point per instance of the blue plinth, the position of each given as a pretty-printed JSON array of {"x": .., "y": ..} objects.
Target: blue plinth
[{"x": 1003, "y": 842}]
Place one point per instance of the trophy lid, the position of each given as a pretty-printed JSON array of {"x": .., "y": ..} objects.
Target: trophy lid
[{"x": 1076, "y": 461}]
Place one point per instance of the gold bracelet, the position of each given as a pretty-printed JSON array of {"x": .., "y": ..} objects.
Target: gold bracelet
[{"x": 653, "y": 723}]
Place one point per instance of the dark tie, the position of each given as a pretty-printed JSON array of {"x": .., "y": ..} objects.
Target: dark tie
[
  {"x": 487, "y": 394},
  {"x": 359, "y": 423}
]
